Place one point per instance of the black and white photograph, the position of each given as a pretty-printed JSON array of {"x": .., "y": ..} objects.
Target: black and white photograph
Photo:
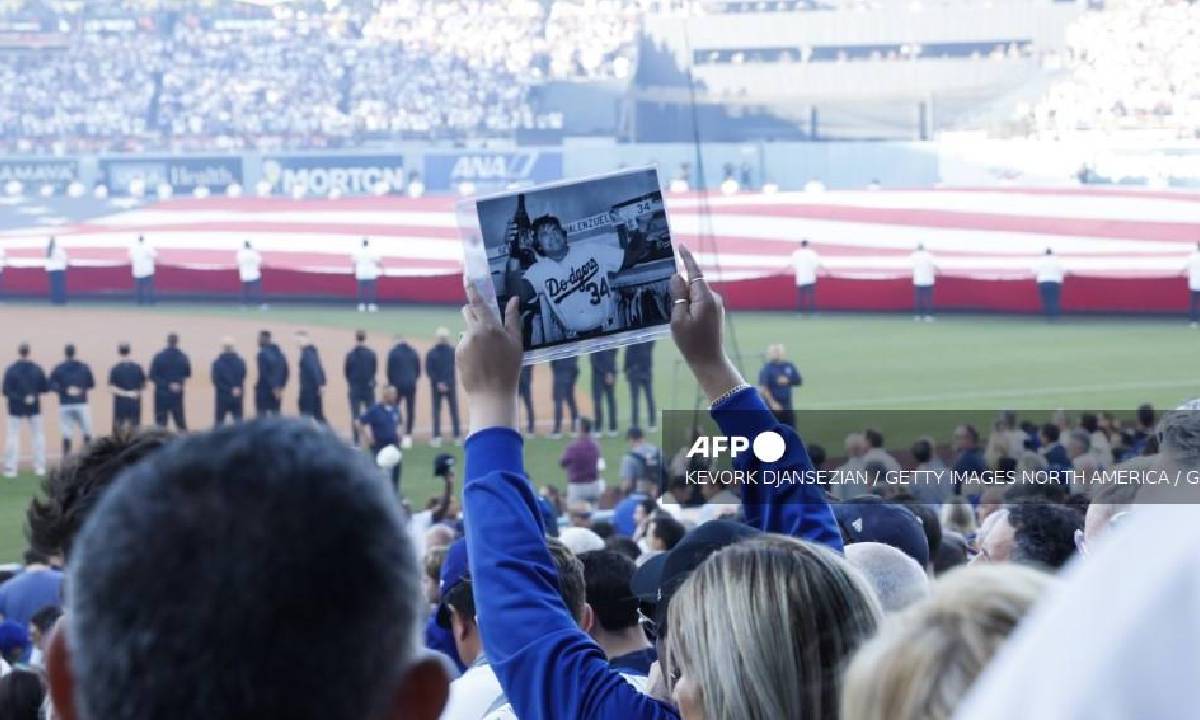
[{"x": 588, "y": 259}]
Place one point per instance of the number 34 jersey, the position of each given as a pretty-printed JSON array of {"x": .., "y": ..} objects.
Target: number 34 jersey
[{"x": 578, "y": 286}]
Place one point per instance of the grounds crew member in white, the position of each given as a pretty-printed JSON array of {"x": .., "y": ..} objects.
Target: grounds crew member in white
[
  {"x": 1191, "y": 268},
  {"x": 1049, "y": 273},
  {"x": 575, "y": 278},
  {"x": 24, "y": 382},
  {"x": 249, "y": 264},
  {"x": 924, "y": 273},
  {"x": 806, "y": 263},
  {"x": 367, "y": 267},
  {"x": 141, "y": 257}
]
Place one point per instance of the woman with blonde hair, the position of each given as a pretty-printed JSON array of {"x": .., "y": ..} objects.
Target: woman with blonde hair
[
  {"x": 925, "y": 659},
  {"x": 782, "y": 618}
]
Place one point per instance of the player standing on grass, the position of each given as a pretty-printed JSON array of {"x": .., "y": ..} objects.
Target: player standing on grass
[
  {"x": 272, "y": 376},
  {"x": 126, "y": 381},
  {"x": 141, "y": 260},
  {"x": 312, "y": 378},
  {"x": 806, "y": 264},
  {"x": 229, "y": 383},
  {"x": 575, "y": 278},
  {"x": 24, "y": 383},
  {"x": 360, "y": 368},
  {"x": 169, "y": 370},
  {"x": 604, "y": 389},
  {"x": 403, "y": 371},
  {"x": 367, "y": 267},
  {"x": 924, "y": 271},
  {"x": 249, "y": 264},
  {"x": 72, "y": 379}
]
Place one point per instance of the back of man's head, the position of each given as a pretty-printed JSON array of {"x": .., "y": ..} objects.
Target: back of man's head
[
  {"x": 897, "y": 579},
  {"x": 1043, "y": 533},
  {"x": 69, "y": 351},
  {"x": 267, "y": 563},
  {"x": 23, "y": 350},
  {"x": 606, "y": 574},
  {"x": 173, "y": 340},
  {"x": 874, "y": 438},
  {"x": 1145, "y": 415},
  {"x": 123, "y": 349},
  {"x": 1050, "y": 432},
  {"x": 570, "y": 578}
]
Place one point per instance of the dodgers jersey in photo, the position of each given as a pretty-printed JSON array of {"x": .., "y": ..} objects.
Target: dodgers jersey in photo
[{"x": 578, "y": 287}]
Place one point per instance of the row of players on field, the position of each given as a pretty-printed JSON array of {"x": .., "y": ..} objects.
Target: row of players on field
[
  {"x": 1048, "y": 272},
  {"x": 365, "y": 261},
  {"x": 170, "y": 370}
]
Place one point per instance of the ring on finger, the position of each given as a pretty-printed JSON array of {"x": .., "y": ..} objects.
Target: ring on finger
[
  {"x": 682, "y": 301},
  {"x": 698, "y": 278}
]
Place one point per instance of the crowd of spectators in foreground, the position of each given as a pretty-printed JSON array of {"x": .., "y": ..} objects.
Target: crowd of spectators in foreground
[{"x": 266, "y": 570}]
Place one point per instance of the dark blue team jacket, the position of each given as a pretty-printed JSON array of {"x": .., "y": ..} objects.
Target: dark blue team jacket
[{"x": 548, "y": 667}]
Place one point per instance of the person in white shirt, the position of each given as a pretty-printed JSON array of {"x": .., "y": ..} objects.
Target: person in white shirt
[
  {"x": 1049, "y": 274},
  {"x": 924, "y": 273},
  {"x": 56, "y": 271},
  {"x": 1191, "y": 268},
  {"x": 806, "y": 264},
  {"x": 367, "y": 267},
  {"x": 141, "y": 257},
  {"x": 249, "y": 265}
]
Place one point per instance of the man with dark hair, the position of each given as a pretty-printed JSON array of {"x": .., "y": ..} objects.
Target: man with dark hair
[
  {"x": 72, "y": 490},
  {"x": 1144, "y": 434},
  {"x": 229, "y": 383},
  {"x": 615, "y": 610},
  {"x": 477, "y": 693},
  {"x": 126, "y": 382},
  {"x": 40, "y": 625},
  {"x": 264, "y": 499},
  {"x": 71, "y": 380},
  {"x": 272, "y": 376},
  {"x": 360, "y": 369},
  {"x": 639, "y": 373},
  {"x": 439, "y": 366},
  {"x": 604, "y": 385},
  {"x": 1057, "y": 459},
  {"x": 403, "y": 371},
  {"x": 969, "y": 461},
  {"x": 1034, "y": 532},
  {"x": 24, "y": 383},
  {"x": 169, "y": 370},
  {"x": 312, "y": 378},
  {"x": 622, "y": 545},
  {"x": 565, "y": 372},
  {"x": 665, "y": 532}
]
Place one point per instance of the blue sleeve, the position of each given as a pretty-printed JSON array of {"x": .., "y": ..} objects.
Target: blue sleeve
[
  {"x": 764, "y": 379},
  {"x": 796, "y": 509},
  {"x": 549, "y": 668}
]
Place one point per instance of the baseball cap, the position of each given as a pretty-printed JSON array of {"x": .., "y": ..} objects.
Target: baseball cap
[
  {"x": 659, "y": 577},
  {"x": 455, "y": 569},
  {"x": 13, "y": 635},
  {"x": 872, "y": 520},
  {"x": 443, "y": 464}
]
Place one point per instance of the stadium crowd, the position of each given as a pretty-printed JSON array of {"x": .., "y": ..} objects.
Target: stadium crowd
[
  {"x": 305, "y": 75},
  {"x": 212, "y": 557}
]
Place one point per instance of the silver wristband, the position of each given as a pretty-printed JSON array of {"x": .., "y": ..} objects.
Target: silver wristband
[{"x": 728, "y": 394}]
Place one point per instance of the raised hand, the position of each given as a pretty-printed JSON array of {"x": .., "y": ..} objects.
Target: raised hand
[
  {"x": 488, "y": 359},
  {"x": 697, "y": 326}
]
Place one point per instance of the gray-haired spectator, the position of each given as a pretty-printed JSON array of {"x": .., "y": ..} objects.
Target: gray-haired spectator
[{"x": 897, "y": 579}]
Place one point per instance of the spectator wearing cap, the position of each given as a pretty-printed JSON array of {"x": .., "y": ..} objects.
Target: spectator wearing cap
[
  {"x": 477, "y": 694},
  {"x": 30, "y": 590},
  {"x": 24, "y": 384},
  {"x": 897, "y": 579},
  {"x": 616, "y": 628},
  {"x": 581, "y": 461},
  {"x": 14, "y": 642},
  {"x": 438, "y": 635},
  {"x": 868, "y": 519},
  {"x": 379, "y": 427},
  {"x": 580, "y": 540}
]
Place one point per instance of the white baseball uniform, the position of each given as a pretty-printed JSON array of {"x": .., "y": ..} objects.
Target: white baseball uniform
[{"x": 577, "y": 287}]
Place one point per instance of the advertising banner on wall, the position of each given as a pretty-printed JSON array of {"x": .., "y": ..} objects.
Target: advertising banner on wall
[
  {"x": 492, "y": 169},
  {"x": 323, "y": 174},
  {"x": 184, "y": 174},
  {"x": 35, "y": 173}
]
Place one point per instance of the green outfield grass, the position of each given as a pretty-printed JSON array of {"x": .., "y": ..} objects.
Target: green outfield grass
[{"x": 849, "y": 362}]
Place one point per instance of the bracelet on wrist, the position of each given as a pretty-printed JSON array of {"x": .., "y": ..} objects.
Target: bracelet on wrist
[{"x": 728, "y": 394}]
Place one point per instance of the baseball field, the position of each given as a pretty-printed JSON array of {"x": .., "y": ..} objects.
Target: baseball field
[{"x": 849, "y": 362}]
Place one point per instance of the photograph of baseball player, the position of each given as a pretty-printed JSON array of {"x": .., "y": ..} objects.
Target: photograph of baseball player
[{"x": 588, "y": 259}]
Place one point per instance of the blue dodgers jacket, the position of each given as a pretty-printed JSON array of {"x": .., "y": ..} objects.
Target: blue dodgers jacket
[{"x": 548, "y": 667}]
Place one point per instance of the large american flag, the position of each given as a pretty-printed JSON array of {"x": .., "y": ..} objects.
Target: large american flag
[{"x": 993, "y": 233}]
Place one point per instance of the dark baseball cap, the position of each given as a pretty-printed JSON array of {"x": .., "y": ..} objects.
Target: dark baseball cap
[
  {"x": 443, "y": 465},
  {"x": 658, "y": 578},
  {"x": 871, "y": 520},
  {"x": 455, "y": 569}
]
